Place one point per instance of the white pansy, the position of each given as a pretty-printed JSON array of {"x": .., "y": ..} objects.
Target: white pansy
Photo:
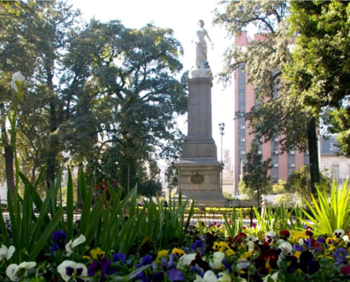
[
  {"x": 217, "y": 260},
  {"x": 209, "y": 276},
  {"x": 286, "y": 247},
  {"x": 6, "y": 253},
  {"x": 224, "y": 277},
  {"x": 72, "y": 244},
  {"x": 243, "y": 263},
  {"x": 16, "y": 272},
  {"x": 75, "y": 269},
  {"x": 251, "y": 238},
  {"x": 186, "y": 260},
  {"x": 270, "y": 234},
  {"x": 17, "y": 80},
  {"x": 251, "y": 246},
  {"x": 338, "y": 233},
  {"x": 273, "y": 277},
  {"x": 346, "y": 238}
]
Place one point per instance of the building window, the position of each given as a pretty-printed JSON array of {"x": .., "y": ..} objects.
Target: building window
[
  {"x": 242, "y": 152},
  {"x": 291, "y": 152},
  {"x": 292, "y": 165},
  {"x": 275, "y": 165},
  {"x": 242, "y": 127},
  {"x": 259, "y": 152},
  {"x": 276, "y": 152},
  {"x": 242, "y": 139}
]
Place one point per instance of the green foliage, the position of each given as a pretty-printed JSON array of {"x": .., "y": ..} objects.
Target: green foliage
[
  {"x": 273, "y": 219},
  {"x": 286, "y": 199},
  {"x": 279, "y": 187},
  {"x": 227, "y": 195},
  {"x": 149, "y": 188},
  {"x": 319, "y": 77},
  {"x": 122, "y": 91},
  {"x": 30, "y": 232},
  {"x": 327, "y": 215},
  {"x": 298, "y": 183},
  {"x": 256, "y": 173},
  {"x": 265, "y": 60},
  {"x": 234, "y": 224},
  {"x": 244, "y": 190},
  {"x": 164, "y": 223}
]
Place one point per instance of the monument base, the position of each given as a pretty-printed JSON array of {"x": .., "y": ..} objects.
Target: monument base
[{"x": 199, "y": 180}]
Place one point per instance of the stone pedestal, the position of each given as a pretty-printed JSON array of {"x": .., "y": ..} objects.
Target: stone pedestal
[{"x": 198, "y": 169}]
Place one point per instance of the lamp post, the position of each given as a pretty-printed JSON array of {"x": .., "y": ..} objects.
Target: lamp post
[{"x": 222, "y": 128}]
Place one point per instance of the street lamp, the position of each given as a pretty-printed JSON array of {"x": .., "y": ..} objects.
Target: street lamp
[{"x": 222, "y": 128}]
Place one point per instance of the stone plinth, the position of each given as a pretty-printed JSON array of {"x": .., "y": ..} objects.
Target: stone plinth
[
  {"x": 199, "y": 179},
  {"x": 198, "y": 170}
]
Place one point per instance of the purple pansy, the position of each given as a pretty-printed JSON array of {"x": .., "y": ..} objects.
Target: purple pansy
[
  {"x": 102, "y": 267},
  {"x": 59, "y": 237},
  {"x": 198, "y": 245},
  {"x": 119, "y": 257},
  {"x": 340, "y": 255},
  {"x": 175, "y": 275}
]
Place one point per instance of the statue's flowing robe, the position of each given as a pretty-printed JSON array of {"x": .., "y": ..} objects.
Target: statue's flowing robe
[{"x": 201, "y": 50}]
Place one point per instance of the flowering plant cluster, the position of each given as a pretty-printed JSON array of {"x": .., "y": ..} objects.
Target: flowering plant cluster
[{"x": 208, "y": 254}]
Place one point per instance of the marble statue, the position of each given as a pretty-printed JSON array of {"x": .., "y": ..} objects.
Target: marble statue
[{"x": 201, "y": 46}]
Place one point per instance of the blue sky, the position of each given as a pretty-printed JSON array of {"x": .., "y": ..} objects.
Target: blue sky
[{"x": 181, "y": 16}]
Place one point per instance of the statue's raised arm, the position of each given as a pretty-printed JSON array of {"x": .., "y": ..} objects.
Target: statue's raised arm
[{"x": 201, "y": 46}]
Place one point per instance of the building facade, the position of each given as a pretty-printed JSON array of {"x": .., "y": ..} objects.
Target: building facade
[
  {"x": 282, "y": 164},
  {"x": 335, "y": 166}
]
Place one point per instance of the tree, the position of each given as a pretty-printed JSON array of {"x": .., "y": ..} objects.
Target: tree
[
  {"x": 256, "y": 173},
  {"x": 101, "y": 95},
  {"x": 126, "y": 93},
  {"x": 149, "y": 188},
  {"x": 264, "y": 60},
  {"x": 298, "y": 183},
  {"x": 320, "y": 75}
]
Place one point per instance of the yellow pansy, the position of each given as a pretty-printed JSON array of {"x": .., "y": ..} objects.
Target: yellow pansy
[
  {"x": 330, "y": 241},
  {"x": 300, "y": 235},
  {"x": 163, "y": 253},
  {"x": 247, "y": 255},
  {"x": 230, "y": 252},
  {"x": 178, "y": 252},
  {"x": 97, "y": 253},
  {"x": 86, "y": 257},
  {"x": 297, "y": 254},
  {"x": 223, "y": 246},
  {"x": 216, "y": 246}
]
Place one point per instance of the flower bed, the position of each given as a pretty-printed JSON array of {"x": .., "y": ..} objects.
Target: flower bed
[
  {"x": 209, "y": 255},
  {"x": 104, "y": 245}
]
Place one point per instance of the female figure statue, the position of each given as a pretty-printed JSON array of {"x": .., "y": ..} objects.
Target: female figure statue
[{"x": 201, "y": 46}]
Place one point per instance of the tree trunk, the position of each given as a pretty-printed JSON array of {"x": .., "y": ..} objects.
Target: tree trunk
[
  {"x": 52, "y": 152},
  {"x": 9, "y": 170},
  {"x": 313, "y": 155}
]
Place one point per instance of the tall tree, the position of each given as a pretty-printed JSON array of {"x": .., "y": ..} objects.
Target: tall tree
[
  {"x": 256, "y": 173},
  {"x": 127, "y": 93},
  {"x": 264, "y": 59},
  {"x": 320, "y": 75}
]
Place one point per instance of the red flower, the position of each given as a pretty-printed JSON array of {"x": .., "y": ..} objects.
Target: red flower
[
  {"x": 285, "y": 234},
  {"x": 309, "y": 233},
  {"x": 267, "y": 260},
  {"x": 345, "y": 270},
  {"x": 240, "y": 237}
]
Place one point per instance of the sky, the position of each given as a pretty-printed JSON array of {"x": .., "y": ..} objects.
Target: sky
[{"x": 182, "y": 17}]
